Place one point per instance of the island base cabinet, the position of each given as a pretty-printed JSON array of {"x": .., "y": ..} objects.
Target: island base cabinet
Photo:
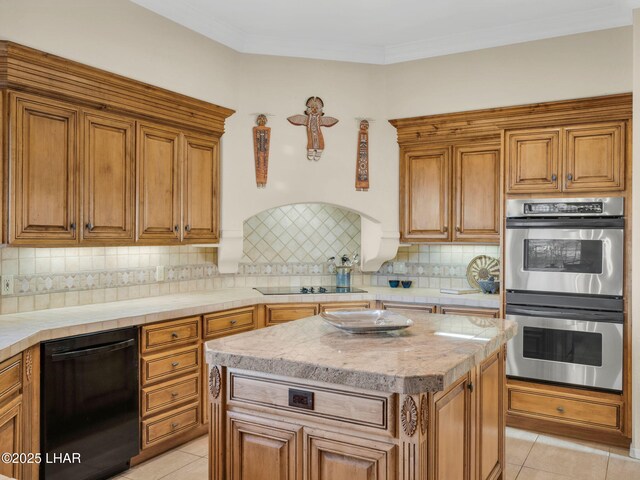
[{"x": 457, "y": 434}]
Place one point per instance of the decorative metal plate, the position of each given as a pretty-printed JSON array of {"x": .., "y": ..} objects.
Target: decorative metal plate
[
  {"x": 367, "y": 321},
  {"x": 481, "y": 268}
]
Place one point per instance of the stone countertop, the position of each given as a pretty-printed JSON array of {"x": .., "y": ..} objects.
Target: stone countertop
[
  {"x": 21, "y": 330},
  {"x": 426, "y": 357}
]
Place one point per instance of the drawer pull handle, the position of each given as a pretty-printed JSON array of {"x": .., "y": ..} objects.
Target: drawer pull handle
[
  {"x": 174, "y": 425},
  {"x": 233, "y": 322},
  {"x": 174, "y": 394},
  {"x": 174, "y": 335},
  {"x": 175, "y": 364},
  {"x": 560, "y": 409}
]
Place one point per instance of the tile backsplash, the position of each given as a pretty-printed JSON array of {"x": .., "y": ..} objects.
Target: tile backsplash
[
  {"x": 286, "y": 246},
  {"x": 303, "y": 233},
  {"x": 57, "y": 277}
]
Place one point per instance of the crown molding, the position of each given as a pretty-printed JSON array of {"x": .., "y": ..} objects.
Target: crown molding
[{"x": 322, "y": 48}]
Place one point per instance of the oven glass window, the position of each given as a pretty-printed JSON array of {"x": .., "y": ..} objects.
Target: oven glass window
[
  {"x": 568, "y": 346},
  {"x": 572, "y": 256}
]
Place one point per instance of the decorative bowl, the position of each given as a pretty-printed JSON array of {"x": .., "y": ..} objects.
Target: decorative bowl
[
  {"x": 367, "y": 321},
  {"x": 406, "y": 283},
  {"x": 489, "y": 286},
  {"x": 394, "y": 283}
]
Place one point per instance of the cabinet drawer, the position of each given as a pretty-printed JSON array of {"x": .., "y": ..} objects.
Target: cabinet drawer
[
  {"x": 331, "y": 307},
  {"x": 170, "y": 393},
  {"x": 354, "y": 407},
  {"x": 10, "y": 375},
  {"x": 572, "y": 410},
  {"x": 287, "y": 312},
  {"x": 161, "y": 366},
  {"x": 228, "y": 322},
  {"x": 167, "y": 334},
  {"x": 162, "y": 427},
  {"x": 421, "y": 307},
  {"x": 469, "y": 311}
]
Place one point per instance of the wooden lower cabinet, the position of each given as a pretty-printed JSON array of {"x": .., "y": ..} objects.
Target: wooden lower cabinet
[
  {"x": 11, "y": 426},
  {"x": 457, "y": 434},
  {"x": 332, "y": 456},
  {"x": 584, "y": 414},
  {"x": 452, "y": 433}
]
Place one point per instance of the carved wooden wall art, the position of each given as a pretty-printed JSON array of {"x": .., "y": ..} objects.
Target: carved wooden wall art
[
  {"x": 261, "y": 139},
  {"x": 314, "y": 120},
  {"x": 362, "y": 163}
]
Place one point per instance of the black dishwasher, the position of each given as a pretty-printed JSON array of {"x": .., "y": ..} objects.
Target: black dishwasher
[{"x": 89, "y": 405}]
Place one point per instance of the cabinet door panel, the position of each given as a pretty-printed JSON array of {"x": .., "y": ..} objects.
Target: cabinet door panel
[
  {"x": 452, "y": 433},
  {"x": 262, "y": 451},
  {"x": 11, "y": 436},
  {"x": 158, "y": 185},
  {"x": 201, "y": 186},
  {"x": 108, "y": 178},
  {"x": 490, "y": 424},
  {"x": 477, "y": 193},
  {"x": 43, "y": 165},
  {"x": 426, "y": 178},
  {"x": 532, "y": 160},
  {"x": 347, "y": 459},
  {"x": 594, "y": 157}
]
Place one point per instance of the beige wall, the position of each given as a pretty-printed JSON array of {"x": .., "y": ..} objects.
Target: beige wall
[{"x": 584, "y": 65}]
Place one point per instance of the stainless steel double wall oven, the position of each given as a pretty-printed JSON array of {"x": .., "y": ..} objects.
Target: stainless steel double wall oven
[{"x": 564, "y": 287}]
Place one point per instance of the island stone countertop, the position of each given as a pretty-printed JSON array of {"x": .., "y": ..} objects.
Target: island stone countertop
[
  {"x": 426, "y": 357},
  {"x": 19, "y": 331}
]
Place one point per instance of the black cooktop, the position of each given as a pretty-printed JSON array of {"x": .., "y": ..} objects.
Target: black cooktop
[{"x": 307, "y": 290}]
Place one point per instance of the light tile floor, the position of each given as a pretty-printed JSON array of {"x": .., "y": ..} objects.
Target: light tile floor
[{"x": 529, "y": 456}]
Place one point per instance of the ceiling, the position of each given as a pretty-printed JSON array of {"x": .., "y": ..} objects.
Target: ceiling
[{"x": 386, "y": 31}]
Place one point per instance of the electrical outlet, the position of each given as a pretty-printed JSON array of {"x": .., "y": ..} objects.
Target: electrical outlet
[
  {"x": 7, "y": 284},
  {"x": 160, "y": 273},
  {"x": 399, "y": 267}
]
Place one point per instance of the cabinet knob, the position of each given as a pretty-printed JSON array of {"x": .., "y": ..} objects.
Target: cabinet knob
[
  {"x": 470, "y": 386},
  {"x": 554, "y": 177},
  {"x": 175, "y": 364},
  {"x": 73, "y": 225},
  {"x": 175, "y": 228},
  {"x": 233, "y": 322},
  {"x": 560, "y": 409},
  {"x": 187, "y": 228},
  {"x": 89, "y": 226},
  {"x": 445, "y": 229},
  {"x": 174, "y": 394},
  {"x": 457, "y": 228},
  {"x": 174, "y": 425},
  {"x": 174, "y": 335},
  {"x": 569, "y": 176}
]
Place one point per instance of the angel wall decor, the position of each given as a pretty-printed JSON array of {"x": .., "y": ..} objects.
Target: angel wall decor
[
  {"x": 314, "y": 119},
  {"x": 261, "y": 134}
]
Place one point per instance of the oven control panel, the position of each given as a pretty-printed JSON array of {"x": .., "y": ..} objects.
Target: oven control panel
[{"x": 575, "y": 208}]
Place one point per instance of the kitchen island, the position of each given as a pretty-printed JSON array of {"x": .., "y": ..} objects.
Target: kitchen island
[{"x": 306, "y": 400}]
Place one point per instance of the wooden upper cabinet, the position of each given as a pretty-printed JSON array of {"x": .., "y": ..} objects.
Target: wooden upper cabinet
[
  {"x": 201, "y": 182},
  {"x": 533, "y": 160},
  {"x": 159, "y": 209},
  {"x": 43, "y": 166},
  {"x": 594, "y": 157},
  {"x": 424, "y": 194},
  {"x": 108, "y": 173},
  {"x": 476, "y": 188}
]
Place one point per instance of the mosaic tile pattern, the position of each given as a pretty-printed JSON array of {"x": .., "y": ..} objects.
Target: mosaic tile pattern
[{"x": 301, "y": 233}]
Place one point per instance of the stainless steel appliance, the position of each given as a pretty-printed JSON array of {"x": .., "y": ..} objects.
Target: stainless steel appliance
[
  {"x": 564, "y": 286},
  {"x": 565, "y": 246}
]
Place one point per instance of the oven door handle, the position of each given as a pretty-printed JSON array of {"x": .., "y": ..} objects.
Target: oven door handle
[
  {"x": 576, "y": 223},
  {"x": 567, "y": 314}
]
